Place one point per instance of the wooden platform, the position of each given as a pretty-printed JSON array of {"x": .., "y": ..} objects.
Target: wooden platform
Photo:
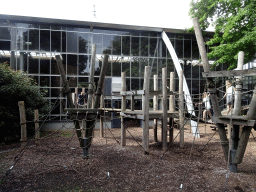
[{"x": 138, "y": 114}]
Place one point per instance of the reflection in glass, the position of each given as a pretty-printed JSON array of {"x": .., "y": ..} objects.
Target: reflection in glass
[
  {"x": 44, "y": 40},
  {"x": 83, "y": 65},
  {"x": 44, "y": 81},
  {"x": 72, "y": 42},
  {"x": 144, "y": 46},
  {"x": 33, "y": 65},
  {"x": 45, "y": 66},
  {"x": 126, "y": 43},
  {"x": 55, "y": 41},
  {"x": 116, "y": 45}
]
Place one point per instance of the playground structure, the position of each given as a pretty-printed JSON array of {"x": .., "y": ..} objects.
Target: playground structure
[{"x": 233, "y": 149}]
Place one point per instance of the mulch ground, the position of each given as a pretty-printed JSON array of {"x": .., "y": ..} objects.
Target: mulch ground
[{"x": 56, "y": 164}]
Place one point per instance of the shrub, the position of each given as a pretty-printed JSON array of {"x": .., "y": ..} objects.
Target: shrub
[{"x": 17, "y": 86}]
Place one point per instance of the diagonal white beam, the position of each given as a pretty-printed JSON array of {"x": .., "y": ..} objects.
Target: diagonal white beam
[{"x": 177, "y": 65}]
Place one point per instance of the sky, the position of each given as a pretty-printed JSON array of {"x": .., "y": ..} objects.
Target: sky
[{"x": 158, "y": 13}]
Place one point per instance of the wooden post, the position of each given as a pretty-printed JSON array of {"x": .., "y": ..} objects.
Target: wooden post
[
  {"x": 23, "y": 137},
  {"x": 171, "y": 106},
  {"x": 155, "y": 105},
  {"x": 237, "y": 111},
  {"x": 164, "y": 124},
  {"x": 132, "y": 103},
  {"x": 91, "y": 78},
  {"x": 102, "y": 117},
  {"x": 91, "y": 123},
  {"x": 37, "y": 131},
  {"x": 64, "y": 80},
  {"x": 76, "y": 96},
  {"x": 211, "y": 86},
  {"x": 123, "y": 108},
  {"x": 145, "y": 109},
  {"x": 239, "y": 85},
  {"x": 181, "y": 109}
]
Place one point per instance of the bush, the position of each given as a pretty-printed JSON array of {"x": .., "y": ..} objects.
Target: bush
[{"x": 17, "y": 86}]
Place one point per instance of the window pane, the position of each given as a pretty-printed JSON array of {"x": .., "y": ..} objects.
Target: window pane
[
  {"x": 83, "y": 42},
  {"x": 179, "y": 48},
  {"x": 153, "y": 46},
  {"x": 33, "y": 38},
  {"x": 195, "y": 50},
  {"x": 126, "y": 42},
  {"x": 135, "y": 46},
  {"x": 55, "y": 41},
  {"x": 144, "y": 46},
  {"x": 187, "y": 49},
  {"x": 117, "y": 68},
  {"x": 126, "y": 68},
  {"x": 33, "y": 65},
  {"x": 97, "y": 39},
  {"x": 45, "y": 66},
  {"x": 72, "y": 42},
  {"x": 72, "y": 64},
  {"x": 55, "y": 81},
  {"x": 4, "y": 33},
  {"x": 83, "y": 65},
  {"x": 5, "y": 45},
  {"x": 116, "y": 44},
  {"x": 135, "y": 68},
  {"x": 44, "y": 81},
  {"x": 44, "y": 41},
  {"x": 135, "y": 84}
]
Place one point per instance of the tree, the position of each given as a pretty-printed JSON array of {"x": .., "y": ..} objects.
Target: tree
[
  {"x": 17, "y": 86},
  {"x": 235, "y": 30}
]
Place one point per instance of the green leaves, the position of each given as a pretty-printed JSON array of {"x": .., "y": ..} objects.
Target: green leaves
[
  {"x": 234, "y": 22},
  {"x": 17, "y": 86}
]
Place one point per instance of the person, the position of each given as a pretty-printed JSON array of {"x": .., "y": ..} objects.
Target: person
[
  {"x": 207, "y": 104},
  {"x": 230, "y": 90},
  {"x": 81, "y": 99}
]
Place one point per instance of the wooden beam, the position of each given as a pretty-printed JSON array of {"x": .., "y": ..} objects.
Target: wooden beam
[
  {"x": 36, "y": 121},
  {"x": 181, "y": 109},
  {"x": 231, "y": 73},
  {"x": 155, "y": 106},
  {"x": 123, "y": 108},
  {"x": 145, "y": 109},
  {"x": 65, "y": 82},
  {"x": 91, "y": 78},
  {"x": 164, "y": 107},
  {"x": 23, "y": 137}
]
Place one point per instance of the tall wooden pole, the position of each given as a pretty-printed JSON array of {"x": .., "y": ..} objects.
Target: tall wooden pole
[
  {"x": 145, "y": 109},
  {"x": 171, "y": 106},
  {"x": 155, "y": 106},
  {"x": 37, "y": 131},
  {"x": 91, "y": 78},
  {"x": 102, "y": 116},
  {"x": 181, "y": 108},
  {"x": 22, "y": 111},
  {"x": 211, "y": 86},
  {"x": 164, "y": 124},
  {"x": 237, "y": 111},
  {"x": 123, "y": 108}
]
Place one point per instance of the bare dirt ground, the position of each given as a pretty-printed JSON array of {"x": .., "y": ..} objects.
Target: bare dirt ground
[{"x": 57, "y": 164}]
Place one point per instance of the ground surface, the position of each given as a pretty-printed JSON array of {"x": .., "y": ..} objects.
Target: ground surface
[{"x": 56, "y": 165}]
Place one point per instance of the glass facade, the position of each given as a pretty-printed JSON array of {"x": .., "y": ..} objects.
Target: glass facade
[{"x": 32, "y": 46}]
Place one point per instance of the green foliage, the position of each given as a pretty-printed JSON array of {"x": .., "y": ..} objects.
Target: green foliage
[
  {"x": 235, "y": 30},
  {"x": 17, "y": 86}
]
